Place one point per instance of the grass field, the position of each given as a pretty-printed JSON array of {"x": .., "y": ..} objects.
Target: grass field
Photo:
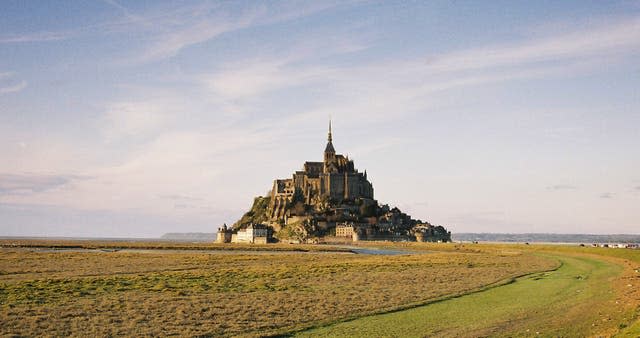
[
  {"x": 188, "y": 293},
  {"x": 573, "y": 301}
]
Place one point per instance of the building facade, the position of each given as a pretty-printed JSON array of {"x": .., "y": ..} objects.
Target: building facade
[
  {"x": 333, "y": 179},
  {"x": 344, "y": 230},
  {"x": 252, "y": 233},
  {"x": 224, "y": 234}
]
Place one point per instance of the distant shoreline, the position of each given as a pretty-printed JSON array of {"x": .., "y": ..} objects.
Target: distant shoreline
[{"x": 545, "y": 238}]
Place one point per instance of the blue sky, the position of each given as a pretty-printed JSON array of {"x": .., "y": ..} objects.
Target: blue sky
[{"x": 132, "y": 119}]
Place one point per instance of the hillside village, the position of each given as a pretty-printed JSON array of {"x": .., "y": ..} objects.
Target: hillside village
[{"x": 326, "y": 201}]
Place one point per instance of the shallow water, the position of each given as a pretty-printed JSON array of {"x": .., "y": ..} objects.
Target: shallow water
[
  {"x": 376, "y": 251},
  {"x": 373, "y": 251}
]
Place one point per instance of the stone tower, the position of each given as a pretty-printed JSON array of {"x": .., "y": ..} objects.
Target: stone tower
[
  {"x": 334, "y": 179},
  {"x": 330, "y": 165}
]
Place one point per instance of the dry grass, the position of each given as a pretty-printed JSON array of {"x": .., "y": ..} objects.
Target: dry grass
[{"x": 190, "y": 293}]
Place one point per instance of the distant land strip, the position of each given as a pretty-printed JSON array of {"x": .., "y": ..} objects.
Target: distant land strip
[
  {"x": 545, "y": 238},
  {"x": 470, "y": 237}
]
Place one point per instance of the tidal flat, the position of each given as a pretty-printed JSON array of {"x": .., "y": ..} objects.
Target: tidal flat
[{"x": 185, "y": 292}]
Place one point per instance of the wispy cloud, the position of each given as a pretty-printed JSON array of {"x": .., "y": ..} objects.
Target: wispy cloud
[
  {"x": 35, "y": 37},
  {"x": 178, "y": 28},
  {"x": 562, "y": 187},
  {"x": 8, "y": 84},
  {"x": 137, "y": 118},
  {"x": 25, "y": 184},
  {"x": 607, "y": 195},
  {"x": 183, "y": 201},
  {"x": 606, "y": 40},
  {"x": 130, "y": 17},
  {"x": 13, "y": 88},
  {"x": 413, "y": 85},
  {"x": 171, "y": 43},
  {"x": 255, "y": 78},
  {"x": 177, "y": 197},
  {"x": 165, "y": 31}
]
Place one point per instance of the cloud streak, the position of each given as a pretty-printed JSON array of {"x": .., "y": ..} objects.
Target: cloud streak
[
  {"x": 168, "y": 31},
  {"x": 137, "y": 118},
  {"x": 26, "y": 184},
  {"x": 13, "y": 88},
  {"x": 35, "y": 37},
  {"x": 10, "y": 85},
  {"x": 177, "y": 29},
  {"x": 603, "y": 41},
  {"x": 255, "y": 78},
  {"x": 411, "y": 85},
  {"x": 559, "y": 187}
]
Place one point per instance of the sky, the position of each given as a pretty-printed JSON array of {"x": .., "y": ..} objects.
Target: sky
[{"x": 137, "y": 118}]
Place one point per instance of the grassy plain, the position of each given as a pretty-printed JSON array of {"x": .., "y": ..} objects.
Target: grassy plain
[
  {"x": 596, "y": 292},
  {"x": 188, "y": 293},
  {"x": 573, "y": 301}
]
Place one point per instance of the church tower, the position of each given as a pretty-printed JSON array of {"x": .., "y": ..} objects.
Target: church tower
[{"x": 330, "y": 165}]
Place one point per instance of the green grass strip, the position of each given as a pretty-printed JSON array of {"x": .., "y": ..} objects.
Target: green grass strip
[{"x": 574, "y": 300}]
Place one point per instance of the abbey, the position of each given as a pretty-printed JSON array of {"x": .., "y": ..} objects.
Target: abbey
[
  {"x": 328, "y": 199},
  {"x": 334, "y": 179}
]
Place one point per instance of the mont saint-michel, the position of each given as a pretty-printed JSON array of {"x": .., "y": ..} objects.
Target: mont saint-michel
[{"x": 327, "y": 199}]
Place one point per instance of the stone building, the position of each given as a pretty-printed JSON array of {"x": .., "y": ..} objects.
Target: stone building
[
  {"x": 252, "y": 233},
  {"x": 333, "y": 179},
  {"x": 344, "y": 230},
  {"x": 224, "y": 234}
]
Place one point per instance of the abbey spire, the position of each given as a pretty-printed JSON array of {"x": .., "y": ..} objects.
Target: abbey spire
[
  {"x": 330, "y": 165},
  {"x": 329, "y": 148}
]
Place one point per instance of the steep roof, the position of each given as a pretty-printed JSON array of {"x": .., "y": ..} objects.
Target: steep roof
[{"x": 329, "y": 148}]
